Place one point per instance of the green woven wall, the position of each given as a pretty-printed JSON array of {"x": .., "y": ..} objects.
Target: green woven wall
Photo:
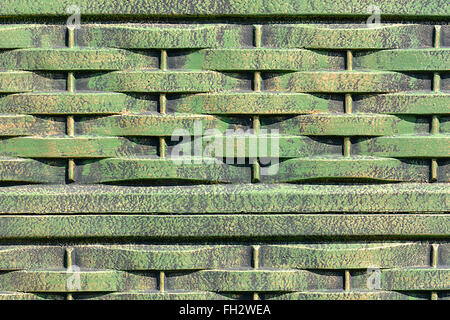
[{"x": 93, "y": 205}]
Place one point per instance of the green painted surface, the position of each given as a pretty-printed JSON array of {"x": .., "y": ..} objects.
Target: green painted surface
[
  {"x": 434, "y": 8},
  {"x": 94, "y": 203},
  {"x": 345, "y": 82},
  {"x": 234, "y": 198},
  {"x": 73, "y": 103},
  {"x": 261, "y": 59},
  {"x": 345, "y": 37}
]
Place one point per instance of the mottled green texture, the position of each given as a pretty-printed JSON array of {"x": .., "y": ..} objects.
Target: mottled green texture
[
  {"x": 28, "y": 296},
  {"x": 344, "y": 82},
  {"x": 162, "y": 257},
  {"x": 73, "y": 103},
  {"x": 254, "y": 103},
  {"x": 227, "y": 103},
  {"x": 31, "y": 35},
  {"x": 345, "y": 255},
  {"x": 254, "y": 280},
  {"x": 405, "y": 103},
  {"x": 157, "y": 81},
  {"x": 90, "y": 281},
  {"x": 290, "y": 271},
  {"x": 423, "y": 146},
  {"x": 356, "y": 167},
  {"x": 23, "y": 125},
  {"x": 262, "y": 198},
  {"x": 444, "y": 255},
  {"x": 25, "y": 81},
  {"x": 75, "y": 59},
  {"x": 289, "y": 146},
  {"x": 16, "y": 81},
  {"x": 405, "y": 60},
  {"x": 343, "y": 295},
  {"x": 218, "y": 227},
  {"x": 344, "y": 125},
  {"x": 71, "y": 147},
  {"x": 399, "y": 146},
  {"x": 40, "y": 257},
  {"x": 409, "y": 279},
  {"x": 195, "y": 170},
  {"x": 173, "y": 8},
  {"x": 151, "y": 125},
  {"x": 31, "y": 171},
  {"x": 159, "y": 295},
  {"x": 261, "y": 59},
  {"x": 354, "y": 115},
  {"x": 348, "y": 37},
  {"x": 162, "y": 36}
]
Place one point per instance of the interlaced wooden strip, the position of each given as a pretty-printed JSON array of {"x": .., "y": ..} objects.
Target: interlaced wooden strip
[{"x": 173, "y": 149}]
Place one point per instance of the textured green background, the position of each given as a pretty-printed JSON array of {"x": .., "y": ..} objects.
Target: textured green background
[{"x": 87, "y": 183}]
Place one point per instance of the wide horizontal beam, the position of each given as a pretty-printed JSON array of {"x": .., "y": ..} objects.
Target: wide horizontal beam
[
  {"x": 176, "y": 8},
  {"x": 239, "y": 226},
  {"x": 274, "y": 198}
]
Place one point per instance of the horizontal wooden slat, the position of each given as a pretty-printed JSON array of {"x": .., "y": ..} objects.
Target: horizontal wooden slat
[
  {"x": 141, "y": 36},
  {"x": 226, "y": 103},
  {"x": 416, "y": 279},
  {"x": 404, "y": 103},
  {"x": 29, "y": 296},
  {"x": 408, "y": 279},
  {"x": 344, "y": 82},
  {"x": 345, "y": 255},
  {"x": 326, "y": 153},
  {"x": 406, "y": 146},
  {"x": 25, "y": 257},
  {"x": 176, "y": 8},
  {"x": 254, "y": 103},
  {"x": 260, "y": 59},
  {"x": 252, "y": 198},
  {"x": 150, "y": 125},
  {"x": 76, "y": 59},
  {"x": 159, "y": 295},
  {"x": 25, "y": 125},
  {"x": 253, "y": 280},
  {"x": 31, "y": 171},
  {"x": 103, "y": 147},
  {"x": 71, "y": 147},
  {"x": 444, "y": 125},
  {"x": 157, "y": 81},
  {"x": 223, "y": 226},
  {"x": 342, "y": 295},
  {"x": 31, "y": 35},
  {"x": 64, "y": 281},
  {"x": 16, "y": 81},
  {"x": 162, "y": 257},
  {"x": 249, "y": 145},
  {"x": 405, "y": 60},
  {"x": 347, "y": 168},
  {"x": 358, "y": 124},
  {"x": 73, "y": 103},
  {"x": 188, "y": 169},
  {"x": 348, "y": 37}
]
